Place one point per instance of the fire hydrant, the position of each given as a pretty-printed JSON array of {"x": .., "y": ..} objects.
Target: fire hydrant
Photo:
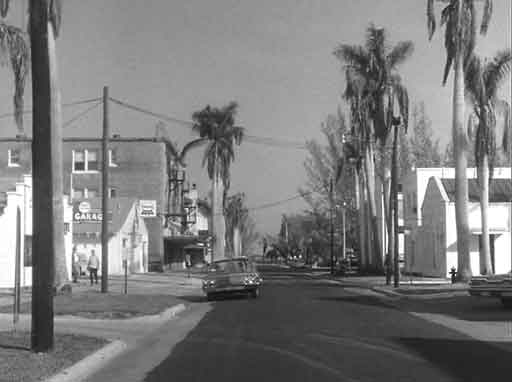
[{"x": 453, "y": 273}]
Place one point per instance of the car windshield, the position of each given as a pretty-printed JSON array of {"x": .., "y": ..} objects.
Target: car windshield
[{"x": 229, "y": 266}]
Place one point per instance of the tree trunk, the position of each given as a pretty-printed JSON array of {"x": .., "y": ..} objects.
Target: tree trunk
[
  {"x": 370, "y": 183},
  {"x": 460, "y": 143},
  {"x": 237, "y": 242},
  {"x": 485, "y": 249},
  {"x": 219, "y": 224},
  {"x": 360, "y": 216}
]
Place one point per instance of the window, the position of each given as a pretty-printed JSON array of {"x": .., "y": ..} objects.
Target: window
[
  {"x": 85, "y": 160},
  {"x": 92, "y": 160},
  {"x": 78, "y": 193},
  {"x": 66, "y": 228},
  {"x": 125, "y": 242},
  {"x": 13, "y": 158},
  {"x": 112, "y": 192},
  {"x": 91, "y": 193},
  {"x": 112, "y": 158}
]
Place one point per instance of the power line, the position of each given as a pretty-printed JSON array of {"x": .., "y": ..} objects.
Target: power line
[
  {"x": 80, "y": 115},
  {"x": 152, "y": 113},
  {"x": 75, "y": 103}
]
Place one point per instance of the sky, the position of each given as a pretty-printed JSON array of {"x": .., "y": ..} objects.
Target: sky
[{"x": 273, "y": 57}]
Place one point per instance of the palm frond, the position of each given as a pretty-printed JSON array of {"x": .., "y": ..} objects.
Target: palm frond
[
  {"x": 189, "y": 146},
  {"x": 352, "y": 55},
  {"x": 486, "y": 16},
  {"x": 507, "y": 129},
  {"x": 450, "y": 39},
  {"x": 431, "y": 19},
  {"x": 473, "y": 80},
  {"x": 399, "y": 53},
  {"x": 4, "y": 7},
  {"x": 56, "y": 16},
  {"x": 496, "y": 70},
  {"x": 14, "y": 45}
]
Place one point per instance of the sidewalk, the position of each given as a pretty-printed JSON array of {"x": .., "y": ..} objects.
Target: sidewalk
[
  {"x": 84, "y": 316},
  {"x": 410, "y": 287}
]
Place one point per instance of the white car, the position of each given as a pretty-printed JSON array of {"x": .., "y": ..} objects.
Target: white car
[{"x": 499, "y": 286}]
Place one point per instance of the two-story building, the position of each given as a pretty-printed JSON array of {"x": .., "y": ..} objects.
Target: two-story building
[{"x": 139, "y": 168}]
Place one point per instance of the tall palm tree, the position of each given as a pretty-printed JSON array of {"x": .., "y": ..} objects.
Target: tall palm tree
[
  {"x": 217, "y": 127},
  {"x": 48, "y": 239},
  {"x": 482, "y": 82},
  {"x": 372, "y": 77},
  {"x": 459, "y": 19}
]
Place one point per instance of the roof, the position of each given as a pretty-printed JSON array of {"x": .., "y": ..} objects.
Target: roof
[
  {"x": 120, "y": 208},
  {"x": 500, "y": 190}
]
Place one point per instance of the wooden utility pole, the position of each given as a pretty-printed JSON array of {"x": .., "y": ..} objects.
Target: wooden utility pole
[
  {"x": 104, "y": 194},
  {"x": 46, "y": 137}
]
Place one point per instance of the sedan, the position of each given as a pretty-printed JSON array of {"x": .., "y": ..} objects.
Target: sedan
[
  {"x": 493, "y": 286},
  {"x": 236, "y": 275}
]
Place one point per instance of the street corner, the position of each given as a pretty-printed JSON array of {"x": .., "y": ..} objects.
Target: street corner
[{"x": 90, "y": 364}]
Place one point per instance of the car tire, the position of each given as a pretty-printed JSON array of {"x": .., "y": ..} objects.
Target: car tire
[
  {"x": 209, "y": 297},
  {"x": 507, "y": 302},
  {"x": 255, "y": 293}
]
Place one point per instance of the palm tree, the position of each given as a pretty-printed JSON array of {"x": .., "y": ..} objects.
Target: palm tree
[
  {"x": 482, "y": 82},
  {"x": 236, "y": 217},
  {"x": 216, "y": 126},
  {"x": 49, "y": 267},
  {"x": 374, "y": 84},
  {"x": 459, "y": 19}
]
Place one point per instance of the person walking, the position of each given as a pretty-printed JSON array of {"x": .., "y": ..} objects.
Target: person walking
[{"x": 92, "y": 267}]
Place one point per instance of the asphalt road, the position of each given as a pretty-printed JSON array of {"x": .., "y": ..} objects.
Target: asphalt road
[{"x": 302, "y": 329}]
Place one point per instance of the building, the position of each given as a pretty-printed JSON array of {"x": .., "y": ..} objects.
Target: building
[
  {"x": 18, "y": 197},
  {"x": 435, "y": 249},
  {"x": 128, "y": 235},
  {"x": 139, "y": 168},
  {"x": 187, "y": 235}
]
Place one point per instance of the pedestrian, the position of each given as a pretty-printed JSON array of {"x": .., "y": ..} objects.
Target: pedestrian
[{"x": 92, "y": 267}]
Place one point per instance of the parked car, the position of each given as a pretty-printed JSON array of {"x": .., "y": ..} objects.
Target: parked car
[
  {"x": 499, "y": 286},
  {"x": 236, "y": 275}
]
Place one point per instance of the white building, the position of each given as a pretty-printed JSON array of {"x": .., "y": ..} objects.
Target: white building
[
  {"x": 434, "y": 249},
  {"x": 414, "y": 186},
  {"x": 128, "y": 234},
  {"x": 21, "y": 198}
]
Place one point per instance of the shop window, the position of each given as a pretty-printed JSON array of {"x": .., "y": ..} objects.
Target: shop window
[
  {"x": 27, "y": 253},
  {"x": 78, "y": 193},
  {"x": 92, "y": 160},
  {"x": 13, "y": 159},
  {"x": 92, "y": 193}
]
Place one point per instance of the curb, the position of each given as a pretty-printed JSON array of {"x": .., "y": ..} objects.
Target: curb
[
  {"x": 90, "y": 364},
  {"x": 425, "y": 296}
]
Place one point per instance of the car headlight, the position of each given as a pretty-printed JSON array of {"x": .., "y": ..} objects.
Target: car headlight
[{"x": 252, "y": 279}]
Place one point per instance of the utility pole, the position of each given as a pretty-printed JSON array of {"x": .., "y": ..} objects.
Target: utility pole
[
  {"x": 104, "y": 194},
  {"x": 46, "y": 137},
  {"x": 331, "y": 223}
]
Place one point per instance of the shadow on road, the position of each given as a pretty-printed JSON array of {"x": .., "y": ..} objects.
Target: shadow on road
[
  {"x": 466, "y": 360},
  {"x": 361, "y": 300}
]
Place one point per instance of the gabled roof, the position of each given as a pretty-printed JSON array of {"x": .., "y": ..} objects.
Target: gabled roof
[{"x": 500, "y": 190}]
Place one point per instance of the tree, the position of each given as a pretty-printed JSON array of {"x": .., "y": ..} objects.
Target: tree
[
  {"x": 236, "y": 217},
  {"x": 217, "y": 127},
  {"x": 424, "y": 150},
  {"x": 482, "y": 80},
  {"x": 373, "y": 84},
  {"x": 459, "y": 19}
]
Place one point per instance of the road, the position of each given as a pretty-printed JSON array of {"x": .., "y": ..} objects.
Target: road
[{"x": 305, "y": 329}]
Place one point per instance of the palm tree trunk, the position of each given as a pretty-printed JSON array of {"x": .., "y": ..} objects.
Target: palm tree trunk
[
  {"x": 485, "y": 250},
  {"x": 460, "y": 143},
  {"x": 237, "y": 242},
  {"x": 219, "y": 224},
  {"x": 360, "y": 216},
  {"x": 370, "y": 183}
]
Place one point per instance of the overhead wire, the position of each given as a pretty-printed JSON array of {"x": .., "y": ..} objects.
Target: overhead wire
[
  {"x": 69, "y": 104},
  {"x": 80, "y": 115}
]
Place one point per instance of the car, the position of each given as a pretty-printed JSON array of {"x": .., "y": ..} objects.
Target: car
[
  {"x": 499, "y": 286},
  {"x": 236, "y": 275}
]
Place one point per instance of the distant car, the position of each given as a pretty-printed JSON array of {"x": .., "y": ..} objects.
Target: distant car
[
  {"x": 236, "y": 275},
  {"x": 499, "y": 286}
]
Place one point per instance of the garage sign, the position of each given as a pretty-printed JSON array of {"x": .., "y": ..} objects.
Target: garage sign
[
  {"x": 84, "y": 213},
  {"x": 147, "y": 208}
]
